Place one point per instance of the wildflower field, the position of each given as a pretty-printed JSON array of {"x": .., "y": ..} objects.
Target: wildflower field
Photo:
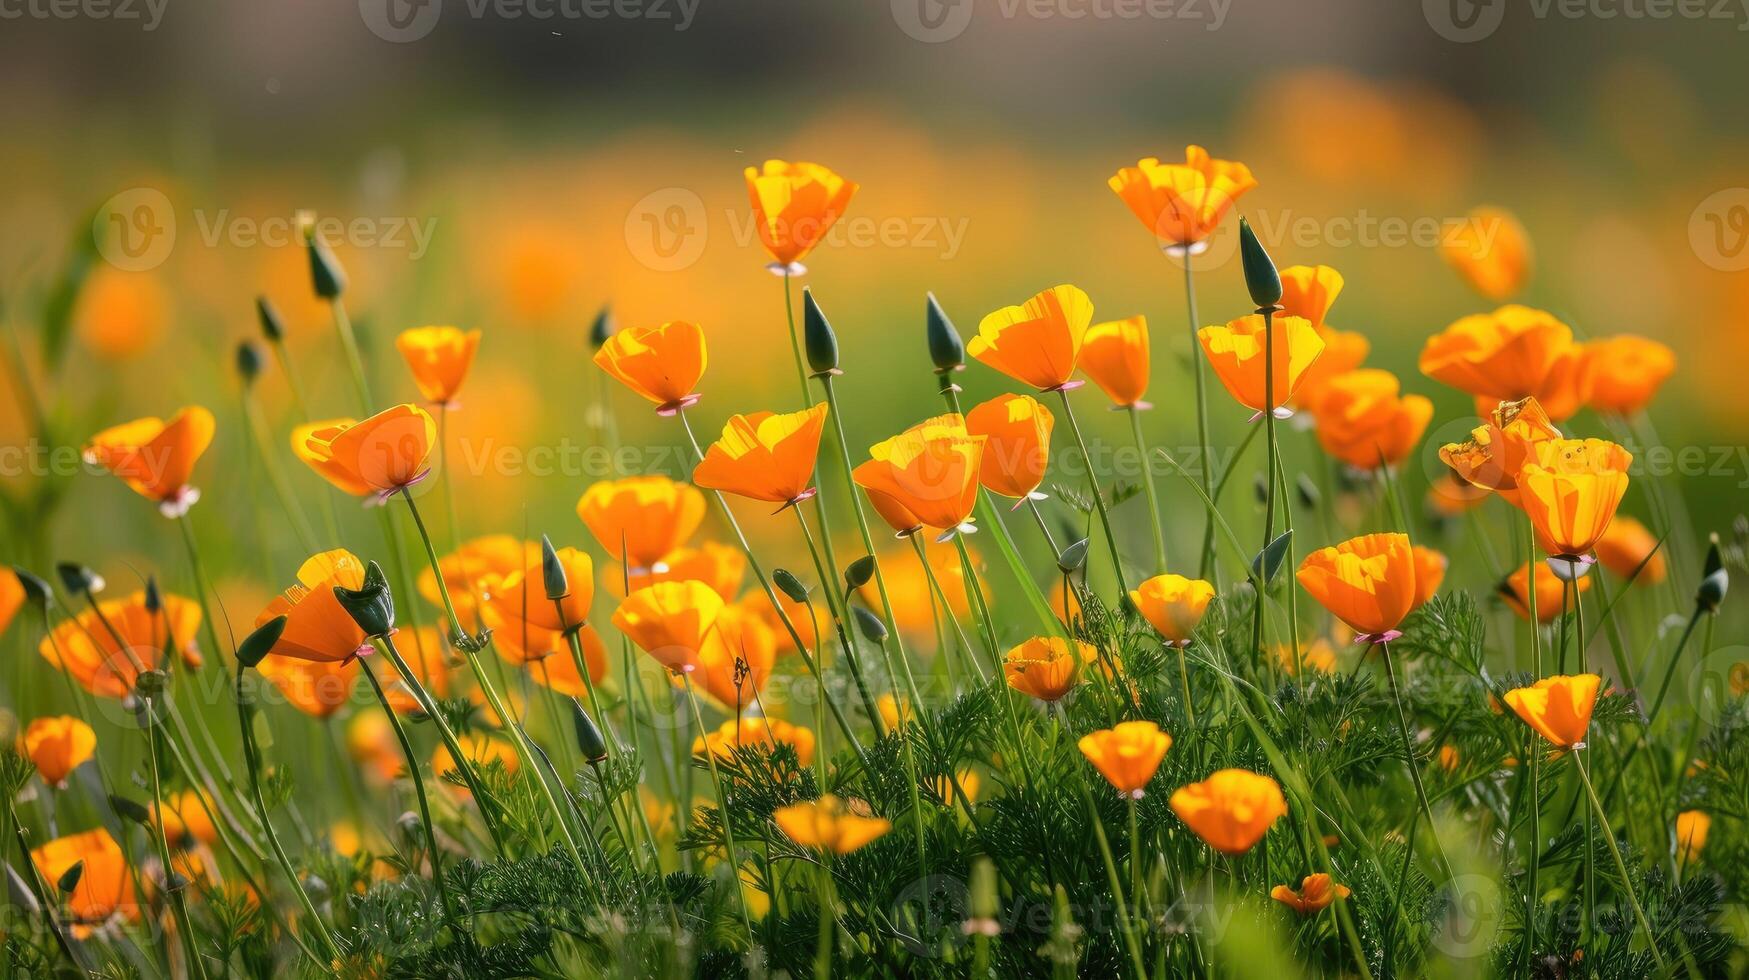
[{"x": 1054, "y": 638}]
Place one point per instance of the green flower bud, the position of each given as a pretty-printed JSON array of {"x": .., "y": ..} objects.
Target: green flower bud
[
  {"x": 371, "y": 606},
  {"x": 945, "y": 347},
  {"x": 789, "y": 585},
  {"x": 258, "y": 644},
  {"x": 78, "y": 579},
  {"x": 589, "y": 737},
  {"x": 1261, "y": 279},
  {"x": 35, "y": 589},
  {"x": 552, "y": 571},
  {"x": 249, "y": 361},
  {"x": 602, "y": 328},
  {"x": 326, "y": 276},
  {"x": 817, "y": 335},
  {"x": 272, "y": 327},
  {"x": 871, "y": 626}
]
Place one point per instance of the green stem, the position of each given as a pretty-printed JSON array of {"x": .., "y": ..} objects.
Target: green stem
[
  {"x": 1409, "y": 758},
  {"x": 178, "y": 906},
  {"x": 710, "y": 756},
  {"x": 413, "y": 770},
  {"x": 1208, "y": 565},
  {"x": 1154, "y": 522},
  {"x": 1621, "y": 867},
  {"x": 1114, "y": 881},
  {"x": 1093, "y": 487}
]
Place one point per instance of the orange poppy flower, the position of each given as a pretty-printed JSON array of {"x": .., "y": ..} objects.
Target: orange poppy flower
[
  {"x": 317, "y": 626},
  {"x": 1044, "y": 668},
  {"x": 1344, "y": 351},
  {"x": 558, "y": 670},
  {"x": 1512, "y": 353},
  {"x": 1491, "y": 251},
  {"x": 106, "y": 886},
  {"x": 1368, "y": 582},
  {"x": 670, "y": 621},
  {"x": 926, "y": 475},
  {"x": 186, "y": 819},
  {"x": 1308, "y": 291},
  {"x": 426, "y": 658},
  {"x": 1317, "y": 657},
  {"x": 1315, "y": 894},
  {"x": 1231, "y": 810},
  {"x": 895, "y": 712},
  {"x": 371, "y": 743},
  {"x": 11, "y": 599},
  {"x": 1497, "y": 450},
  {"x": 156, "y": 458},
  {"x": 737, "y": 733},
  {"x": 1017, "y": 446},
  {"x": 661, "y": 364},
  {"x": 765, "y": 456},
  {"x": 474, "y": 570},
  {"x": 759, "y": 604},
  {"x": 643, "y": 517},
  {"x": 1627, "y": 545},
  {"x": 1038, "y": 342},
  {"x": 737, "y": 658},
  {"x": 826, "y": 824},
  {"x": 318, "y": 688},
  {"x": 795, "y": 204},
  {"x": 480, "y": 751},
  {"x": 57, "y": 746},
  {"x": 1235, "y": 351},
  {"x": 1182, "y": 204},
  {"x": 1127, "y": 755},
  {"x": 720, "y": 566},
  {"x": 530, "y": 625},
  {"x": 439, "y": 358},
  {"x": 90, "y": 653},
  {"x": 1570, "y": 489},
  {"x": 1626, "y": 371},
  {"x": 1362, "y": 420},
  {"x": 1549, "y": 591},
  {"x": 1114, "y": 354},
  {"x": 1691, "y": 833},
  {"x": 1450, "y": 495},
  {"x": 1558, "y": 707},
  {"x": 1430, "y": 566},
  {"x": 380, "y": 455},
  {"x": 1173, "y": 605}
]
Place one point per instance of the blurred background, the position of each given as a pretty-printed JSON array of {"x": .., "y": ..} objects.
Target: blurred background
[{"x": 517, "y": 165}]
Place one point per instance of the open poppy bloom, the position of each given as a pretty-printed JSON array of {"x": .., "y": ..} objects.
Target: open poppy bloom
[
  {"x": 1127, "y": 755},
  {"x": 661, "y": 364},
  {"x": 1038, "y": 342},
  {"x": 156, "y": 458},
  {"x": 558, "y": 670},
  {"x": 57, "y": 746},
  {"x": 1236, "y": 352},
  {"x": 317, "y": 627},
  {"x": 1344, "y": 351},
  {"x": 439, "y": 358},
  {"x": 1368, "y": 582},
  {"x": 1364, "y": 422},
  {"x": 1628, "y": 547},
  {"x": 474, "y": 570},
  {"x": 795, "y": 204},
  {"x": 720, "y": 566},
  {"x": 318, "y": 688},
  {"x": 1114, "y": 355},
  {"x": 1450, "y": 495},
  {"x": 737, "y": 658},
  {"x": 641, "y": 519},
  {"x": 926, "y": 475},
  {"x": 1017, "y": 444},
  {"x": 670, "y": 621},
  {"x": 377, "y": 457},
  {"x": 1550, "y": 591},
  {"x": 371, "y": 744},
  {"x": 1182, "y": 203},
  {"x": 1691, "y": 833},
  {"x": 827, "y": 825},
  {"x": 1570, "y": 489},
  {"x": 106, "y": 886},
  {"x": 1626, "y": 372},
  {"x": 531, "y": 626},
  {"x": 1430, "y": 566},
  {"x": 895, "y": 711},
  {"x": 1309, "y": 291},
  {"x": 1315, "y": 894},
  {"x": 765, "y": 456},
  {"x": 1173, "y": 605},
  {"x": 768, "y": 733},
  {"x": 1512, "y": 353},
  {"x": 106, "y": 653},
  {"x": 186, "y": 820},
  {"x": 1498, "y": 449},
  {"x": 1231, "y": 810},
  {"x": 1043, "y": 667},
  {"x": 1558, "y": 707},
  {"x": 1491, "y": 251}
]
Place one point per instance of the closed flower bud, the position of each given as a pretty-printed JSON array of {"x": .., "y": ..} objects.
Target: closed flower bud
[
  {"x": 552, "y": 571},
  {"x": 817, "y": 336},
  {"x": 249, "y": 361},
  {"x": 35, "y": 589},
  {"x": 371, "y": 605},
  {"x": 860, "y": 571},
  {"x": 154, "y": 601},
  {"x": 272, "y": 327},
  {"x": 68, "y": 882},
  {"x": 326, "y": 276},
  {"x": 258, "y": 644},
  {"x": 589, "y": 737},
  {"x": 945, "y": 347},
  {"x": 602, "y": 328},
  {"x": 871, "y": 626},
  {"x": 1261, "y": 278},
  {"x": 789, "y": 585},
  {"x": 1715, "y": 580},
  {"x": 1308, "y": 492},
  {"x": 130, "y": 810},
  {"x": 1072, "y": 557},
  {"x": 78, "y": 579}
]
